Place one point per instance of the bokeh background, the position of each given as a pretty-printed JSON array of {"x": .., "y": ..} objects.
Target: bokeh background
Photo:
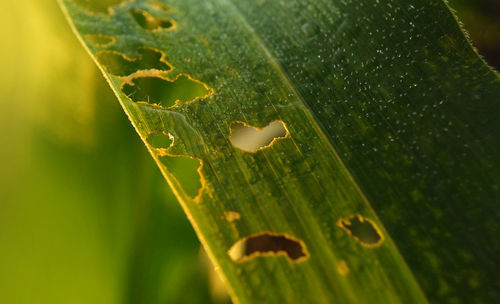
[{"x": 85, "y": 216}]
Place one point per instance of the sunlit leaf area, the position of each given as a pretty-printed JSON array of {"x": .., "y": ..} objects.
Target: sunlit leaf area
[{"x": 122, "y": 182}]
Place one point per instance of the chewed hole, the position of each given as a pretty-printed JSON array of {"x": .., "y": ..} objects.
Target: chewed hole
[
  {"x": 98, "y": 6},
  {"x": 151, "y": 23},
  {"x": 186, "y": 171},
  {"x": 268, "y": 244},
  {"x": 160, "y": 140},
  {"x": 118, "y": 64},
  {"x": 362, "y": 229},
  {"x": 100, "y": 40},
  {"x": 160, "y": 6},
  {"x": 252, "y": 139},
  {"x": 165, "y": 92}
]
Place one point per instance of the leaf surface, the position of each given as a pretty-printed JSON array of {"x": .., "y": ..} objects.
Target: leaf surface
[{"x": 382, "y": 183}]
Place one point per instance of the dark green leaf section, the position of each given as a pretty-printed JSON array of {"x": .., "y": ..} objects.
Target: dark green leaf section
[
  {"x": 414, "y": 114},
  {"x": 390, "y": 114}
]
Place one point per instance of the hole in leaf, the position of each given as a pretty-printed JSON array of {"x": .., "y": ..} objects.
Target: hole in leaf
[
  {"x": 160, "y": 6},
  {"x": 186, "y": 171},
  {"x": 119, "y": 64},
  {"x": 100, "y": 40},
  {"x": 362, "y": 229},
  {"x": 160, "y": 140},
  {"x": 231, "y": 216},
  {"x": 150, "y": 23},
  {"x": 165, "y": 92},
  {"x": 268, "y": 244},
  {"x": 252, "y": 139},
  {"x": 98, "y": 6}
]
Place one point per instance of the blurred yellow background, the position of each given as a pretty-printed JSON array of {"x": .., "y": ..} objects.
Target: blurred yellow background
[{"x": 85, "y": 216}]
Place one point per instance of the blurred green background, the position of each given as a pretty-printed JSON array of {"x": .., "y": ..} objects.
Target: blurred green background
[{"x": 85, "y": 216}]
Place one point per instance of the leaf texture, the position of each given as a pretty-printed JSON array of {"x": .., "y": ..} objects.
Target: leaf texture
[{"x": 384, "y": 179}]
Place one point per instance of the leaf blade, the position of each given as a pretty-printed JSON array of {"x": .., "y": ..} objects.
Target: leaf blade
[{"x": 262, "y": 77}]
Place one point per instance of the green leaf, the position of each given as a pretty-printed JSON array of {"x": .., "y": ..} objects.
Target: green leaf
[{"x": 337, "y": 151}]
